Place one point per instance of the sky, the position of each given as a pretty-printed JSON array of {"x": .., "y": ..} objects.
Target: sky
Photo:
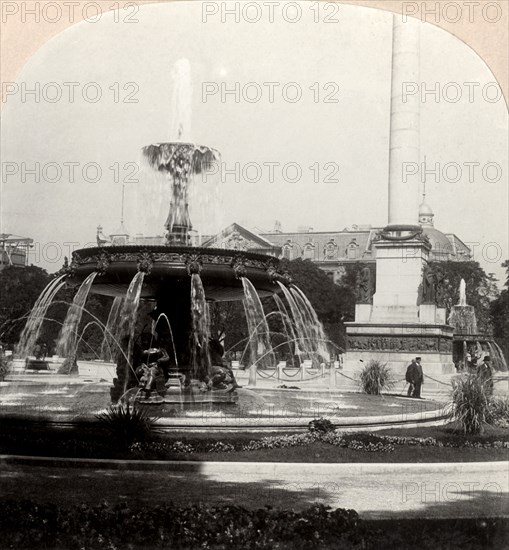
[{"x": 328, "y": 149}]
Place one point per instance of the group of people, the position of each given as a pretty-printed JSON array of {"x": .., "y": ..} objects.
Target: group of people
[{"x": 415, "y": 375}]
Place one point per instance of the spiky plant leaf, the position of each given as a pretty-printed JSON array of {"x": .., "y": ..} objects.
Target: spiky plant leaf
[{"x": 375, "y": 377}]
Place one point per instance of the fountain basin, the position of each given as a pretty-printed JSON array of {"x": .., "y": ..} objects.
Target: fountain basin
[
  {"x": 220, "y": 270},
  {"x": 97, "y": 370}
]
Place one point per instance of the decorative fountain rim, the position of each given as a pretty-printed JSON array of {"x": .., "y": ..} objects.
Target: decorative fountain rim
[
  {"x": 176, "y": 261},
  {"x": 168, "y": 253}
]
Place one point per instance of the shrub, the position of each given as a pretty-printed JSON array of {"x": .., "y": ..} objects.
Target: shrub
[
  {"x": 498, "y": 412},
  {"x": 321, "y": 425},
  {"x": 375, "y": 377},
  {"x": 106, "y": 526},
  {"x": 471, "y": 404},
  {"x": 127, "y": 423}
]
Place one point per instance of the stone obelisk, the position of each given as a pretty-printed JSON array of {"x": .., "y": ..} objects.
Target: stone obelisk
[
  {"x": 404, "y": 155},
  {"x": 401, "y": 320},
  {"x": 401, "y": 252}
]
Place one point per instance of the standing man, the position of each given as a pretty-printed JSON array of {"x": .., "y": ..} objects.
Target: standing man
[
  {"x": 410, "y": 377},
  {"x": 418, "y": 379}
]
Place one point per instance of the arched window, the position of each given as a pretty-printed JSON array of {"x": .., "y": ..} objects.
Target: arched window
[
  {"x": 330, "y": 250},
  {"x": 287, "y": 251},
  {"x": 352, "y": 250},
  {"x": 309, "y": 251}
]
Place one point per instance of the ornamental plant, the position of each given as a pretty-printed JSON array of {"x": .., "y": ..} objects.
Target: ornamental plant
[
  {"x": 321, "y": 425},
  {"x": 127, "y": 424},
  {"x": 471, "y": 404},
  {"x": 376, "y": 377}
]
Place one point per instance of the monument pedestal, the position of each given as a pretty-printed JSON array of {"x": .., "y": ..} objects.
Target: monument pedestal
[
  {"x": 397, "y": 344},
  {"x": 400, "y": 320},
  {"x": 397, "y": 327}
]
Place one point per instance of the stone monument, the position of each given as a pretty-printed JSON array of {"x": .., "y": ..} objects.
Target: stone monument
[{"x": 403, "y": 318}]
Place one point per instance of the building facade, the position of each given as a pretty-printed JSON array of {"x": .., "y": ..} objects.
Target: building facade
[
  {"x": 14, "y": 250},
  {"x": 332, "y": 251}
]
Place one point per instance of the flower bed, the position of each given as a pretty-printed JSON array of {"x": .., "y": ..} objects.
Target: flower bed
[{"x": 367, "y": 442}]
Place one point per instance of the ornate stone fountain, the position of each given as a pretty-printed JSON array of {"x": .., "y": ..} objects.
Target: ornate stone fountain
[
  {"x": 179, "y": 279},
  {"x": 468, "y": 339}
]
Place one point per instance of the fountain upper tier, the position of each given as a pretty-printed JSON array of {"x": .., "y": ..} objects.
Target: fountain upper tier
[{"x": 168, "y": 269}]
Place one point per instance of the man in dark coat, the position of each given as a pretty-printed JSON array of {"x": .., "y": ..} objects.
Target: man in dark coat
[
  {"x": 415, "y": 377},
  {"x": 419, "y": 379},
  {"x": 409, "y": 377}
]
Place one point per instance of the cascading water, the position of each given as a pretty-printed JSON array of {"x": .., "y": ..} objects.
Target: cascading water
[
  {"x": 109, "y": 346},
  {"x": 302, "y": 330},
  {"x": 259, "y": 340},
  {"x": 463, "y": 293},
  {"x": 290, "y": 333},
  {"x": 33, "y": 325},
  {"x": 462, "y": 316},
  {"x": 311, "y": 319},
  {"x": 170, "y": 330},
  {"x": 497, "y": 357},
  {"x": 178, "y": 162},
  {"x": 127, "y": 322},
  {"x": 68, "y": 338},
  {"x": 200, "y": 357}
]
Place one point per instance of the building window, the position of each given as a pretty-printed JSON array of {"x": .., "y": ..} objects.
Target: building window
[
  {"x": 309, "y": 251},
  {"x": 330, "y": 250},
  {"x": 352, "y": 250}
]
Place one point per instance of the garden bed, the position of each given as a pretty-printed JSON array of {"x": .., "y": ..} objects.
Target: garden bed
[
  {"x": 426, "y": 444},
  {"x": 32, "y": 525}
]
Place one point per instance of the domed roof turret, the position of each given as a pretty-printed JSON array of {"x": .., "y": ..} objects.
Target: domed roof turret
[
  {"x": 425, "y": 209},
  {"x": 425, "y": 213}
]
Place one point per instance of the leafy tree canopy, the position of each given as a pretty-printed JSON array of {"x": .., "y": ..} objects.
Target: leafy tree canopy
[
  {"x": 19, "y": 289},
  {"x": 500, "y": 315},
  {"x": 481, "y": 288}
]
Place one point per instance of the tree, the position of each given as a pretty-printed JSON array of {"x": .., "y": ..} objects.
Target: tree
[
  {"x": 481, "y": 288},
  {"x": 228, "y": 324},
  {"x": 500, "y": 315},
  {"x": 20, "y": 288},
  {"x": 333, "y": 303}
]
